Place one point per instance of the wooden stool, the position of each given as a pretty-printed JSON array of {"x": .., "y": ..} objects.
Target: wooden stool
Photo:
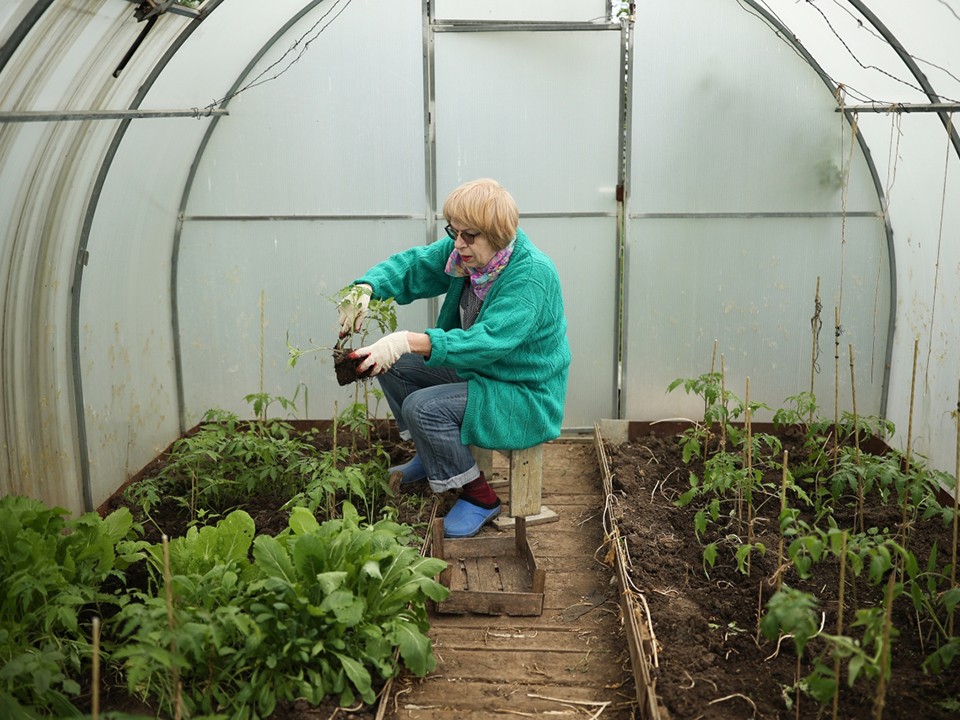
[{"x": 493, "y": 575}]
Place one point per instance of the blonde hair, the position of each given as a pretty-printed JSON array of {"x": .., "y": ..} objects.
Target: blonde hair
[{"x": 484, "y": 205}]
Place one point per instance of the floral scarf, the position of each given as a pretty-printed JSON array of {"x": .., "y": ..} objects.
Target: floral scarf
[{"x": 480, "y": 278}]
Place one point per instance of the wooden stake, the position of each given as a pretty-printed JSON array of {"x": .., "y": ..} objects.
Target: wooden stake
[
  {"x": 783, "y": 508},
  {"x": 956, "y": 502},
  {"x": 836, "y": 659},
  {"x": 815, "y": 331},
  {"x": 881, "y": 697},
  {"x": 836, "y": 388},
  {"x": 713, "y": 367},
  {"x": 906, "y": 471},
  {"x": 175, "y": 671},
  {"x": 95, "y": 698},
  {"x": 856, "y": 439},
  {"x": 723, "y": 399}
]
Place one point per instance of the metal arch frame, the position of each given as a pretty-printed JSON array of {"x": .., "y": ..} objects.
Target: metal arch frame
[
  {"x": 82, "y": 440},
  {"x": 789, "y": 37},
  {"x": 914, "y": 69}
]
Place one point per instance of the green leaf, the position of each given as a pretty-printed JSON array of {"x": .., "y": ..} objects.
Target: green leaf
[
  {"x": 272, "y": 559},
  {"x": 414, "y": 647},
  {"x": 359, "y": 677}
]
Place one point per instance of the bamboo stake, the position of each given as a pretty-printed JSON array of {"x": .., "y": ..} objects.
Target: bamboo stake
[
  {"x": 856, "y": 439},
  {"x": 713, "y": 367},
  {"x": 783, "y": 509},
  {"x": 95, "y": 699},
  {"x": 175, "y": 671},
  {"x": 881, "y": 698},
  {"x": 836, "y": 658},
  {"x": 262, "y": 325},
  {"x": 906, "y": 471},
  {"x": 956, "y": 502},
  {"x": 836, "y": 387},
  {"x": 815, "y": 324},
  {"x": 723, "y": 399}
]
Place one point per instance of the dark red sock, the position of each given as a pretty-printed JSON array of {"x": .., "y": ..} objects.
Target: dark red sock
[{"x": 480, "y": 493}]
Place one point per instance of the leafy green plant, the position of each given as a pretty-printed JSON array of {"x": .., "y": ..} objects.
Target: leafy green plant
[
  {"x": 227, "y": 461},
  {"x": 319, "y": 610},
  {"x": 55, "y": 575}
]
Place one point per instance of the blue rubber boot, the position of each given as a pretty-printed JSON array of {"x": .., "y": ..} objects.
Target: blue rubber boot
[
  {"x": 465, "y": 519},
  {"x": 411, "y": 471}
]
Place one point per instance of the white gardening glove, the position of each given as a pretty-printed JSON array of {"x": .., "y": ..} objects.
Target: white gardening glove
[
  {"x": 380, "y": 357},
  {"x": 353, "y": 308}
]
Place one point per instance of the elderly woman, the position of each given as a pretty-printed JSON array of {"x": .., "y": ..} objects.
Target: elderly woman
[{"x": 493, "y": 372}]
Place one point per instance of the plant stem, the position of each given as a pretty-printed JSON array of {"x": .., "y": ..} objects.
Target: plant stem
[
  {"x": 856, "y": 440},
  {"x": 815, "y": 331},
  {"x": 836, "y": 657}
]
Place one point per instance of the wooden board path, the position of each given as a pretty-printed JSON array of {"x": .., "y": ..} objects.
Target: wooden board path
[{"x": 570, "y": 661}]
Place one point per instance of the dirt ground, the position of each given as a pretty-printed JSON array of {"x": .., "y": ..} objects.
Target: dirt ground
[{"x": 713, "y": 663}]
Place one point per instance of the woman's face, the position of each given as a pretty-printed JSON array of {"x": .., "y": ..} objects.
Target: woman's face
[{"x": 475, "y": 250}]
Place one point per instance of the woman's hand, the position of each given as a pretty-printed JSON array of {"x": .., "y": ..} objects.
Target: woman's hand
[
  {"x": 380, "y": 357},
  {"x": 353, "y": 308}
]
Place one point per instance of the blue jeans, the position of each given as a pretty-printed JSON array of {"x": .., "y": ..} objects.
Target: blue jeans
[{"x": 429, "y": 404}]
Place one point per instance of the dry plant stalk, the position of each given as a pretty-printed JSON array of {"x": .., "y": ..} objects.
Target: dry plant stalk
[
  {"x": 836, "y": 659},
  {"x": 856, "y": 441}
]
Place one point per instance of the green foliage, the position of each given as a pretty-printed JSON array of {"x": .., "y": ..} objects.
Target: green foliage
[
  {"x": 318, "y": 611},
  {"x": 791, "y": 612},
  {"x": 53, "y": 578},
  {"x": 226, "y": 462}
]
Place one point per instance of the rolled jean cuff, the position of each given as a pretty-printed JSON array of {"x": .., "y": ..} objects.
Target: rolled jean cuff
[{"x": 457, "y": 481}]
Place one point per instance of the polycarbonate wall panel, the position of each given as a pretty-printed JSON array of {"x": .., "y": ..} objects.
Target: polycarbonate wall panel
[
  {"x": 750, "y": 285},
  {"x": 538, "y": 111},
  {"x": 585, "y": 253},
  {"x": 530, "y": 10},
  {"x": 340, "y": 132},
  {"x": 744, "y": 189},
  {"x": 729, "y": 118},
  {"x": 296, "y": 267},
  {"x": 563, "y": 174}
]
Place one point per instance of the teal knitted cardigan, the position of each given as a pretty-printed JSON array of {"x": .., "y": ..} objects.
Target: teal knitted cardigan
[{"x": 515, "y": 357}]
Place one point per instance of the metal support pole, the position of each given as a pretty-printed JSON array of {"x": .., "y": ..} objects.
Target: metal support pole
[{"x": 71, "y": 115}]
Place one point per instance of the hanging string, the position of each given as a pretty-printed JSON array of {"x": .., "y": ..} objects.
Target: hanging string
[
  {"x": 936, "y": 272},
  {"x": 846, "y": 164},
  {"x": 305, "y": 39}
]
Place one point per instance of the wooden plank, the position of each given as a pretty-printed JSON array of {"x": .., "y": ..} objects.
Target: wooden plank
[
  {"x": 488, "y": 546},
  {"x": 526, "y": 481}
]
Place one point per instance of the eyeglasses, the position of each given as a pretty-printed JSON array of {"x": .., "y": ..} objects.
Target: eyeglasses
[{"x": 468, "y": 237}]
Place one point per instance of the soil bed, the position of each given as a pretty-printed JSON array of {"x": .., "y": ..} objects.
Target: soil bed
[{"x": 713, "y": 661}]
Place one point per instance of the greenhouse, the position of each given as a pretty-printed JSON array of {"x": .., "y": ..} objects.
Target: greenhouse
[{"x": 753, "y": 213}]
